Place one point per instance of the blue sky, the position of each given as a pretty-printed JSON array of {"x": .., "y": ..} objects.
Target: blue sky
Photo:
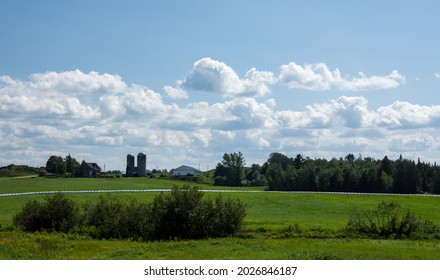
[{"x": 186, "y": 81}]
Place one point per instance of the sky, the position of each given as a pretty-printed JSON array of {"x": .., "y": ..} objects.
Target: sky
[{"x": 187, "y": 81}]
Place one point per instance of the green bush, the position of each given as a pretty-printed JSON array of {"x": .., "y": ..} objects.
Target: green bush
[
  {"x": 227, "y": 216},
  {"x": 390, "y": 220},
  {"x": 135, "y": 222},
  {"x": 58, "y": 213},
  {"x": 105, "y": 216},
  {"x": 184, "y": 214},
  {"x": 31, "y": 217}
]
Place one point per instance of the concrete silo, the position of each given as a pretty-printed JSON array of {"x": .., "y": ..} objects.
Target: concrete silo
[
  {"x": 142, "y": 164},
  {"x": 130, "y": 166}
]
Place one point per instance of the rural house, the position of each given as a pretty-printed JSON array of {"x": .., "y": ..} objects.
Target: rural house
[
  {"x": 90, "y": 169},
  {"x": 185, "y": 170}
]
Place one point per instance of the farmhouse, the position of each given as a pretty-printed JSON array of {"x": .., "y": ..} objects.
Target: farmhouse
[
  {"x": 185, "y": 170},
  {"x": 90, "y": 169}
]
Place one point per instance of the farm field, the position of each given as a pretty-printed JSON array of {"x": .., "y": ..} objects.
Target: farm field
[{"x": 269, "y": 230}]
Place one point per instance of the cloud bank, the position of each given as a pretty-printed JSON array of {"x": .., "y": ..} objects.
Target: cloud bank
[
  {"x": 215, "y": 76},
  {"x": 100, "y": 117}
]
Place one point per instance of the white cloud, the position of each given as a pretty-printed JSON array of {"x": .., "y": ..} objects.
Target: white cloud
[
  {"x": 109, "y": 140},
  {"x": 244, "y": 113},
  {"x": 57, "y": 94},
  {"x": 406, "y": 115},
  {"x": 142, "y": 100},
  {"x": 175, "y": 92},
  {"x": 346, "y": 111},
  {"x": 311, "y": 77},
  {"x": 412, "y": 142},
  {"x": 77, "y": 82},
  {"x": 319, "y": 77},
  {"x": 392, "y": 80},
  {"x": 437, "y": 75},
  {"x": 215, "y": 76},
  {"x": 204, "y": 136}
]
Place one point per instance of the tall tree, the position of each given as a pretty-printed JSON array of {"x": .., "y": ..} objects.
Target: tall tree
[
  {"x": 72, "y": 165},
  {"x": 281, "y": 159},
  {"x": 56, "y": 165},
  {"x": 298, "y": 161},
  {"x": 232, "y": 166}
]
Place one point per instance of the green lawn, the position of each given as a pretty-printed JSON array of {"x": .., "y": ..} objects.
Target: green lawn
[{"x": 268, "y": 214}]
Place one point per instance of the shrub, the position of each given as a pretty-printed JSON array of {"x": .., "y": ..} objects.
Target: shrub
[
  {"x": 62, "y": 212},
  {"x": 174, "y": 215},
  {"x": 228, "y": 216},
  {"x": 389, "y": 220},
  {"x": 105, "y": 216},
  {"x": 135, "y": 222},
  {"x": 184, "y": 214},
  {"x": 58, "y": 213},
  {"x": 31, "y": 217}
]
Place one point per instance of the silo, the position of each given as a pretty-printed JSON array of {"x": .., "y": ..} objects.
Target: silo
[
  {"x": 130, "y": 166},
  {"x": 142, "y": 164}
]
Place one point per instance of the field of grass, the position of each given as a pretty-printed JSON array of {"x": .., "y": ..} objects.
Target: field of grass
[
  {"x": 269, "y": 216},
  {"x": 19, "y": 245}
]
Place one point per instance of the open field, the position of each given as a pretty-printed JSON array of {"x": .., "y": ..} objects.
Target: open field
[
  {"x": 321, "y": 216},
  {"x": 55, "y": 246}
]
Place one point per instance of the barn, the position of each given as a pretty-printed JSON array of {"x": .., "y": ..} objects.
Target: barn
[{"x": 90, "y": 169}]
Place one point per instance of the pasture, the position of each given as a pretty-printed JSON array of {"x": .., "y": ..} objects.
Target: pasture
[{"x": 271, "y": 227}]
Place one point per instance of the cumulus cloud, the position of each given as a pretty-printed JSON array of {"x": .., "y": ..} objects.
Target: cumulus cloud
[
  {"x": 215, "y": 76},
  {"x": 175, "y": 92},
  {"x": 211, "y": 75},
  {"x": 437, "y": 75},
  {"x": 57, "y": 94},
  {"x": 406, "y": 115},
  {"x": 319, "y": 77},
  {"x": 311, "y": 77},
  {"x": 77, "y": 82},
  {"x": 346, "y": 111}
]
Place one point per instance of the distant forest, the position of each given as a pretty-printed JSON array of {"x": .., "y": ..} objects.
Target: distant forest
[{"x": 349, "y": 174}]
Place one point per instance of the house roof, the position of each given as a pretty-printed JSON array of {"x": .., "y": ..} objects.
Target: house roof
[
  {"x": 93, "y": 165},
  {"x": 186, "y": 167}
]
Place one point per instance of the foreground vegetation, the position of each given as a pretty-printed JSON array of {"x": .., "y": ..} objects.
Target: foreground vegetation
[
  {"x": 182, "y": 214},
  {"x": 19, "y": 245},
  {"x": 277, "y": 226}
]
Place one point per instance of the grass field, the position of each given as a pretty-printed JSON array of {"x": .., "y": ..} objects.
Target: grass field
[{"x": 321, "y": 216}]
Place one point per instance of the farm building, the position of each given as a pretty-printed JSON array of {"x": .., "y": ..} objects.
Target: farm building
[
  {"x": 185, "y": 170},
  {"x": 90, "y": 169},
  {"x": 140, "y": 170},
  {"x": 142, "y": 165},
  {"x": 130, "y": 166}
]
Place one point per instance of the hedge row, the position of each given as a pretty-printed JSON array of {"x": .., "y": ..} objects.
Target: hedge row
[{"x": 182, "y": 214}]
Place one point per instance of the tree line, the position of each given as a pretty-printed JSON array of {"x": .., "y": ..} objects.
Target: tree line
[
  {"x": 63, "y": 166},
  {"x": 348, "y": 174}
]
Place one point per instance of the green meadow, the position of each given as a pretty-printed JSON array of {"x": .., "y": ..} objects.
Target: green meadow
[{"x": 277, "y": 226}]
